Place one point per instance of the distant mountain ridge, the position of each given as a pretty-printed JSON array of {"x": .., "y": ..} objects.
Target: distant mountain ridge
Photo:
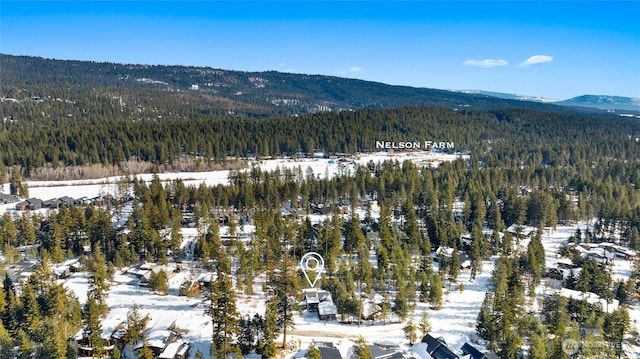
[
  {"x": 253, "y": 94},
  {"x": 509, "y": 96},
  {"x": 602, "y": 102}
]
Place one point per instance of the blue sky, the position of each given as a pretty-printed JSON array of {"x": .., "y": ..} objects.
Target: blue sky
[{"x": 551, "y": 49}]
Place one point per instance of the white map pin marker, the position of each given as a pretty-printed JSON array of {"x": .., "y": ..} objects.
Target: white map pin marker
[{"x": 312, "y": 262}]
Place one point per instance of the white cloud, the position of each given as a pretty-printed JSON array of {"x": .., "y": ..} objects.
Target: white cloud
[
  {"x": 356, "y": 69},
  {"x": 486, "y": 63},
  {"x": 536, "y": 59}
]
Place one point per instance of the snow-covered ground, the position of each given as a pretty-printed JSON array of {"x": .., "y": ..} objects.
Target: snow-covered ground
[
  {"x": 320, "y": 167},
  {"x": 621, "y": 269},
  {"x": 455, "y": 321}
]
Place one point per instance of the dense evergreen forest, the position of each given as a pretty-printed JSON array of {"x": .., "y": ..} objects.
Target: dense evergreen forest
[{"x": 100, "y": 131}]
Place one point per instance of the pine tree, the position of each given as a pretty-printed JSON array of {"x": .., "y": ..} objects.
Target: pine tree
[
  {"x": 115, "y": 354},
  {"x": 27, "y": 233},
  {"x": 135, "y": 327},
  {"x": 410, "y": 330},
  {"x": 159, "y": 282},
  {"x": 145, "y": 352},
  {"x": 281, "y": 283},
  {"x": 8, "y": 230},
  {"x": 92, "y": 327},
  {"x": 435, "y": 292},
  {"x": 400, "y": 303},
  {"x": 424, "y": 325},
  {"x": 510, "y": 345},
  {"x": 537, "y": 347},
  {"x": 615, "y": 327},
  {"x": 313, "y": 352},
  {"x": 224, "y": 315},
  {"x": 270, "y": 332},
  {"x": 6, "y": 342},
  {"x": 454, "y": 265},
  {"x": 26, "y": 346},
  {"x": 16, "y": 186},
  {"x": 535, "y": 260},
  {"x": 98, "y": 283},
  {"x": 486, "y": 326},
  {"x": 53, "y": 345},
  {"x": 361, "y": 349},
  {"x": 72, "y": 351},
  {"x": 476, "y": 252}
]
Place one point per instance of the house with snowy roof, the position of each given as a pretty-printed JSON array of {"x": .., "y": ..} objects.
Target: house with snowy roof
[
  {"x": 382, "y": 351},
  {"x": 437, "y": 348},
  {"x": 522, "y": 231},
  {"x": 8, "y": 198},
  {"x": 592, "y": 299}
]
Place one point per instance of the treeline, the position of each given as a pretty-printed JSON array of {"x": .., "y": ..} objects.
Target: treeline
[{"x": 99, "y": 130}]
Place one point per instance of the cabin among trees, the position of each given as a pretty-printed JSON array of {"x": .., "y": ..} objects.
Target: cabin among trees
[{"x": 319, "y": 301}]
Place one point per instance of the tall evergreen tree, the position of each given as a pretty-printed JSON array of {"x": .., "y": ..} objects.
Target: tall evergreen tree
[
  {"x": 92, "y": 326},
  {"x": 435, "y": 292},
  {"x": 98, "y": 283},
  {"x": 224, "y": 315},
  {"x": 136, "y": 324}
]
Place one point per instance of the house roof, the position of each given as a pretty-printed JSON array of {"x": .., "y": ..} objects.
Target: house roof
[
  {"x": 34, "y": 201},
  {"x": 378, "y": 352},
  {"x": 8, "y": 198},
  {"x": 327, "y": 308},
  {"x": 433, "y": 343},
  {"x": 329, "y": 353},
  {"x": 470, "y": 349},
  {"x": 174, "y": 348},
  {"x": 437, "y": 348},
  {"x": 591, "y": 298},
  {"x": 300, "y": 354},
  {"x": 313, "y": 295},
  {"x": 443, "y": 352},
  {"x": 524, "y": 230},
  {"x": 66, "y": 199},
  {"x": 170, "y": 350}
]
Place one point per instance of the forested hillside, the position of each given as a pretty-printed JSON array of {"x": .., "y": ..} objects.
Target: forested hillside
[
  {"x": 217, "y": 91},
  {"x": 36, "y": 134},
  {"x": 72, "y": 113}
]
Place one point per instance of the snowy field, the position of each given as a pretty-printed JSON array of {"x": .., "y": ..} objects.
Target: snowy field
[{"x": 320, "y": 167}]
